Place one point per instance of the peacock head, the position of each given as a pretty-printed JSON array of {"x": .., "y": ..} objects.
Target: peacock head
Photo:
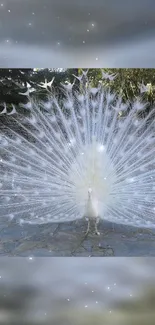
[{"x": 89, "y": 192}]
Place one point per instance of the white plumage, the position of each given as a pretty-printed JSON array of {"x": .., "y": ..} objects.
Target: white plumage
[
  {"x": 92, "y": 209},
  {"x": 79, "y": 158}
]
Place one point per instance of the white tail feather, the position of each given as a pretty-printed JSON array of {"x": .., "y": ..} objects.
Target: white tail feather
[{"x": 50, "y": 160}]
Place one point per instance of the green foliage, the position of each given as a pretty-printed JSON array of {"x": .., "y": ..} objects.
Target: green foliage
[
  {"x": 13, "y": 81},
  {"x": 10, "y": 80},
  {"x": 127, "y": 82}
]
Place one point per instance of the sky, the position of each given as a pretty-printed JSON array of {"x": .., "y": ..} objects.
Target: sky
[
  {"x": 100, "y": 33},
  {"x": 45, "y": 287}
]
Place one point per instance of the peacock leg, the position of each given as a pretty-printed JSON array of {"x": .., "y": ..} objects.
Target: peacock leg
[
  {"x": 96, "y": 229},
  {"x": 88, "y": 227}
]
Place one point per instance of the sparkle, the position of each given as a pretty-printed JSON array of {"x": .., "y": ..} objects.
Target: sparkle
[{"x": 101, "y": 148}]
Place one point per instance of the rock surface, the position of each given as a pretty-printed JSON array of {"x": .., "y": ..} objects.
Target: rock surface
[{"x": 68, "y": 239}]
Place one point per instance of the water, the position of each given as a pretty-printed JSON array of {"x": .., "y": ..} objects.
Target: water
[{"x": 53, "y": 157}]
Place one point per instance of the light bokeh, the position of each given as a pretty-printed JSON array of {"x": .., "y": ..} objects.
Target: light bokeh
[
  {"x": 75, "y": 290},
  {"x": 84, "y": 33}
]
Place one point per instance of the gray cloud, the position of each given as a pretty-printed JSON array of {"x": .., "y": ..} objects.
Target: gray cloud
[{"x": 54, "y": 33}]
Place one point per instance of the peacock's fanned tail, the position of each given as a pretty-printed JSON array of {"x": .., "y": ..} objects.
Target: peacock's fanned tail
[{"x": 50, "y": 158}]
